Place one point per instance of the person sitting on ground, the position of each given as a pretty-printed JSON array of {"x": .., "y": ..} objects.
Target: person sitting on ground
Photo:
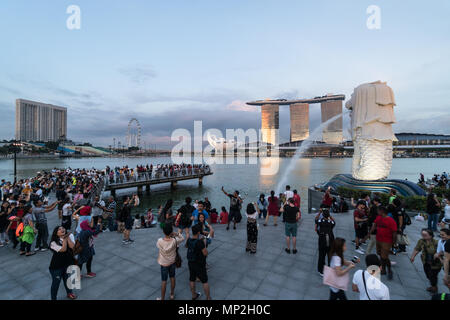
[
  {"x": 214, "y": 215},
  {"x": 137, "y": 222},
  {"x": 223, "y": 218}
]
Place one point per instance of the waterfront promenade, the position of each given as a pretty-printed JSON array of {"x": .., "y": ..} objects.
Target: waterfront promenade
[{"x": 131, "y": 272}]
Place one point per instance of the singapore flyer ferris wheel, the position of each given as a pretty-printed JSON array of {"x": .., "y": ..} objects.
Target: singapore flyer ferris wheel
[{"x": 134, "y": 133}]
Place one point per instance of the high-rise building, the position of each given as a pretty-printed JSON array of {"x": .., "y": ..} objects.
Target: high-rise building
[
  {"x": 36, "y": 121},
  {"x": 299, "y": 121},
  {"x": 270, "y": 123},
  {"x": 333, "y": 133}
]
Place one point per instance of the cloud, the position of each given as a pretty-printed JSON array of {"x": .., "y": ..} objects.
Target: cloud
[
  {"x": 138, "y": 74},
  {"x": 239, "y": 105}
]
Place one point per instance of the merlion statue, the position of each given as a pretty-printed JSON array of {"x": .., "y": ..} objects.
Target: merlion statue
[{"x": 372, "y": 115}]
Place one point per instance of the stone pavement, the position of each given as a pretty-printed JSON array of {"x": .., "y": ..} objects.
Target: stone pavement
[{"x": 131, "y": 271}]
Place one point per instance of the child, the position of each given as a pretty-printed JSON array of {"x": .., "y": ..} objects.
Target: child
[
  {"x": 137, "y": 222},
  {"x": 223, "y": 218},
  {"x": 150, "y": 221}
]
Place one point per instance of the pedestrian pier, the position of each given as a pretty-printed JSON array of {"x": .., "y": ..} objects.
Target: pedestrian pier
[{"x": 146, "y": 180}]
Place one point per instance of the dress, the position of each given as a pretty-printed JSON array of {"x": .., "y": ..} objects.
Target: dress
[{"x": 273, "y": 207}]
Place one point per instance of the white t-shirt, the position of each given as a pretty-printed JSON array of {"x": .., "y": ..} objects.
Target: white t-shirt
[
  {"x": 289, "y": 194},
  {"x": 441, "y": 246},
  {"x": 447, "y": 213},
  {"x": 67, "y": 209},
  {"x": 336, "y": 261},
  {"x": 375, "y": 288}
]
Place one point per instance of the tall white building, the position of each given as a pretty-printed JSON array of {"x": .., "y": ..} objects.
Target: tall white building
[{"x": 36, "y": 121}]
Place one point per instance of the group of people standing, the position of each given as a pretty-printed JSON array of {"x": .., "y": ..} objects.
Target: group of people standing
[{"x": 383, "y": 227}]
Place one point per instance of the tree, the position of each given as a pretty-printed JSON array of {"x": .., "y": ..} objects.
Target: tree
[{"x": 52, "y": 145}]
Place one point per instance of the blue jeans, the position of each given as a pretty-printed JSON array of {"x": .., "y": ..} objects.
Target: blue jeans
[
  {"x": 433, "y": 221},
  {"x": 57, "y": 276},
  {"x": 263, "y": 213}
]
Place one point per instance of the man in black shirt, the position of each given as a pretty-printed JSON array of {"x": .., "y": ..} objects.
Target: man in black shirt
[
  {"x": 324, "y": 228},
  {"x": 235, "y": 208},
  {"x": 291, "y": 214},
  {"x": 196, "y": 256},
  {"x": 184, "y": 217}
]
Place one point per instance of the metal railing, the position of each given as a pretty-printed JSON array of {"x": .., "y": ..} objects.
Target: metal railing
[{"x": 124, "y": 178}]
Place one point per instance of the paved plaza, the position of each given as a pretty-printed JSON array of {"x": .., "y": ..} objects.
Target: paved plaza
[{"x": 131, "y": 271}]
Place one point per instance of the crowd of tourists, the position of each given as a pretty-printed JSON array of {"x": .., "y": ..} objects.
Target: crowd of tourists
[
  {"x": 83, "y": 216},
  {"x": 438, "y": 180},
  {"x": 147, "y": 172},
  {"x": 382, "y": 228}
]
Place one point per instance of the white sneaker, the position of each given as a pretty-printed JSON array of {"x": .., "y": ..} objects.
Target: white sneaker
[
  {"x": 393, "y": 263},
  {"x": 320, "y": 274},
  {"x": 360, "y": 251}
]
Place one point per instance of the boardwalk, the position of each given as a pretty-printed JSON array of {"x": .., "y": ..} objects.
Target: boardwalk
[{"x": 147, "y": 180}]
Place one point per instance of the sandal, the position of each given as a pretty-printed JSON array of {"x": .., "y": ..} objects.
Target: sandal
[
  {"x": 172, "y": 297},
  {"x": 30, "y": 254}
]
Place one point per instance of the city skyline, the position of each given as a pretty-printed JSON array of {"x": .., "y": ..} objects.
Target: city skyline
[{"x": 170, "y": 64}]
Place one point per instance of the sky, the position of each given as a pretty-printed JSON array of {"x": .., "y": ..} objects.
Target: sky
[{"x": 168, "y": 63}]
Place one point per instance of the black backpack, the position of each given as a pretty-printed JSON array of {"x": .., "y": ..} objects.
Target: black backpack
[
  {"x": 406, "y": 218},
  {"x": 191, "y": 253}
]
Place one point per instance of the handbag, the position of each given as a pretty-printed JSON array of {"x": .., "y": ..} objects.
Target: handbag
[
  {"x": 403, "y": 239},
  {"x": 330, "y": 278},
  {"x": 178, "y": 260}
]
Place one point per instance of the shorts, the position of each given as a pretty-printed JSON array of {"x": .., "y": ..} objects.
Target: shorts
[
  {"x": 60, "y": 205},
  {"x": 361, "y": 233},
  {"x": 290, "y": 229},
  {"x": 129, "y": 224},
  {"x": 185, "y": 226},
  {"x": 168, "y": 272},
  {"x": 383, "y": 249},
  {"x": 197, "y": 270},
  {"x": 234, "y": 216}
]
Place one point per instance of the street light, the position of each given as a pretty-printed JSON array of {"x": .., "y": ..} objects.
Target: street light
[{"x": 16, "y": 144}]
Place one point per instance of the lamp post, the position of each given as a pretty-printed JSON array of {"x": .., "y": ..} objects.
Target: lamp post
[{"x": 16, "y": 144}]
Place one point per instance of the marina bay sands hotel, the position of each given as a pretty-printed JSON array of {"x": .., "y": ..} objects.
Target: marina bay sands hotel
[{"x": 331, "y": 105}]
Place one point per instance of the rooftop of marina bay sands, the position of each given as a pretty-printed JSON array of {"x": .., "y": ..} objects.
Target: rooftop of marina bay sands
[{"x": 331, "y": 97}]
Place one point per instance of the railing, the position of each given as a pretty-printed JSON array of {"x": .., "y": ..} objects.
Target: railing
[{"x": 118, "y": 179}]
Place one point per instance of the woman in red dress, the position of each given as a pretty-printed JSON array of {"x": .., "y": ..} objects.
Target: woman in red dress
[{"x": 273, "y": 208}]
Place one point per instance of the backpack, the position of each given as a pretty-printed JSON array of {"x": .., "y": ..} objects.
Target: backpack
[
  {"x": 191, "y": 254},
  {"x": 19, "y": 230},
  {"x": 406, "y": 219}
]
